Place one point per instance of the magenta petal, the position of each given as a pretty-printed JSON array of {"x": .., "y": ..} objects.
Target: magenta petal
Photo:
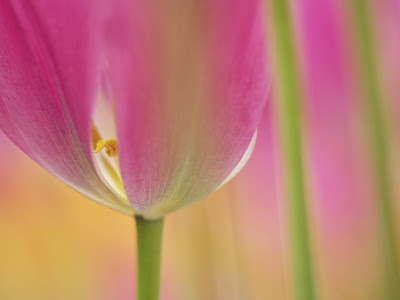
[
  {"x": 190, "y": 84},
  {"x": 72, "y": 31},
  {"x": 47, "y": 87}
]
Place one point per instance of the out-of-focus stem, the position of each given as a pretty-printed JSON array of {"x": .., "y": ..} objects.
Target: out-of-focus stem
[
  {"x": 289, "y": 107},
  {"x": 149, "y": 240},
  {"x": 373, "y": 101}
]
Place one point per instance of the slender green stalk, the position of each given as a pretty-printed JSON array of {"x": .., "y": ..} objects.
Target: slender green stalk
[
  {"x": 289, "y": 107},
  {"x": 149, "y": 239},
  {"x": 374, "y": 100}
]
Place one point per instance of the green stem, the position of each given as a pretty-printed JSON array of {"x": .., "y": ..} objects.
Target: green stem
[
  {"x": 379, "y": 140},
  {"x": 149, "y": 239},
  {"x": 289, "y": 108}
]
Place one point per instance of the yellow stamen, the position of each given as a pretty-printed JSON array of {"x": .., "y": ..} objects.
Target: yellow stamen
[{"x": 110, "y": 146}]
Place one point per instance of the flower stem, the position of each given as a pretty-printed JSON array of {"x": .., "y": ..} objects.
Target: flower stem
[
  {"x": 374, "y": 103},
  {"x": 149, "y": 239},
  {"x": 290, "y": 113}
]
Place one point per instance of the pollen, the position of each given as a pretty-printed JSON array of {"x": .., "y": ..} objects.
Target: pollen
[{"x": 110, "y": 146}]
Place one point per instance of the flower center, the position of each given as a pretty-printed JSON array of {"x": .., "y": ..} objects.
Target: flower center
[
  {"x": 105, "y": 146},
  {"x": 107, "y": 162},
  {"x": 110, "y": 146}
]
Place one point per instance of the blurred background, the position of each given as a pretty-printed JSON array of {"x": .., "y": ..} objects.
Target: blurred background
[{"x": 57, "y": 245}]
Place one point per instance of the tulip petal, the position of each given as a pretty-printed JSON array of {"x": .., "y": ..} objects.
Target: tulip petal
[
  {"x": 189, "y": 79},
  {"x": 242, "y": 162},
  {"x": 47, "y": 88}
]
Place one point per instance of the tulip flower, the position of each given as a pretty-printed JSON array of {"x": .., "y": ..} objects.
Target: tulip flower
[
  {"x": 187, "y": 100},
  {"x": 144, "y": 107}
]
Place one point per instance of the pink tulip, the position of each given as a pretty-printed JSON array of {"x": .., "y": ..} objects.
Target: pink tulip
[{"x": 169, "y": 94}]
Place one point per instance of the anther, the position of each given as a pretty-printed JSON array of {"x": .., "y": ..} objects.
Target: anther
[{"x": 110, "y": 146}]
